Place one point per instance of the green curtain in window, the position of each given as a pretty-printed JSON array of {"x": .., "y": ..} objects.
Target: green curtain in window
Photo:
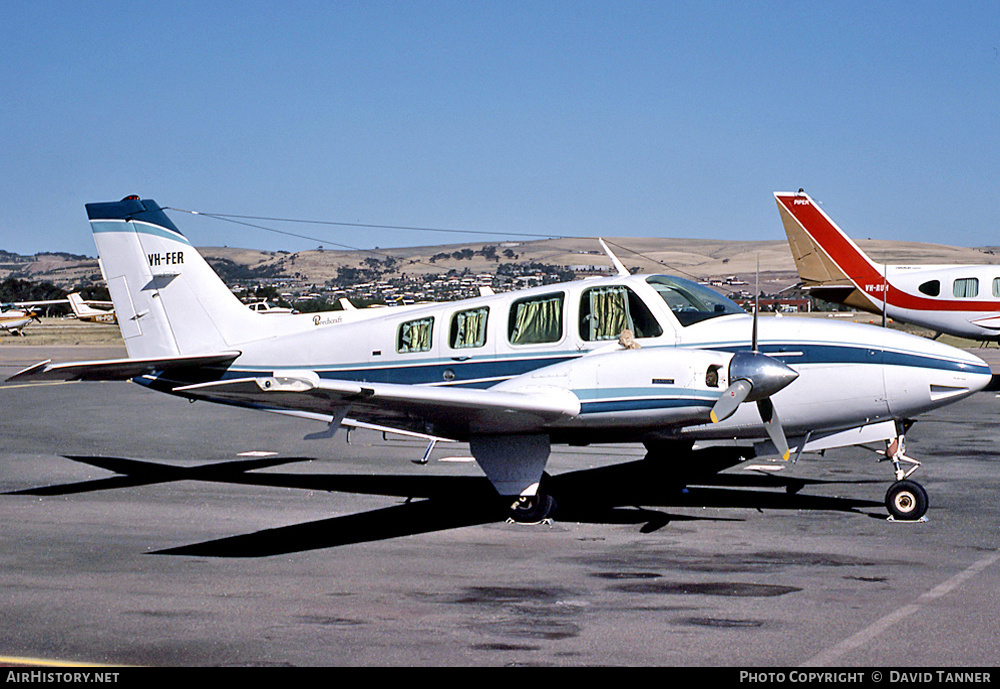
[
  {"x": 609, "y": 312},
  {"x": 469, "y": 329},
  {"x": 415, "y": 336},
  {"x": 538, "y": 320}
]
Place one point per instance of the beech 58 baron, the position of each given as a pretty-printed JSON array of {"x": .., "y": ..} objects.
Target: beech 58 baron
[
  {"x": 962, "y": 300},
  {"x": 630, "y": 358}
]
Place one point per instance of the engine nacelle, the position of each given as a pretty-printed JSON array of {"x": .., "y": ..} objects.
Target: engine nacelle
[{"x": 635, "y": 387}]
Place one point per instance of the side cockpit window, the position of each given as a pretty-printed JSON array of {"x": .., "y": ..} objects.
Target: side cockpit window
[
  {"x": 607, "y": 311},
  {"x": 931, "y": 288},
  {"x": 691, "y": 302}
]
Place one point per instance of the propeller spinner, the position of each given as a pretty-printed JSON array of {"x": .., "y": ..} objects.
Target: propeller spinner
[{"x": 754, "y": 377}]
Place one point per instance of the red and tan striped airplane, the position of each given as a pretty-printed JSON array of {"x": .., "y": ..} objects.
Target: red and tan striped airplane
[{"x": 962, "y": 300}]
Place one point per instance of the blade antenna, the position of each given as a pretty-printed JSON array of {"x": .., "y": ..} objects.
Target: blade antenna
[
  {"x": 619, "y": 266},
  {"x": 885, "y": 292},
  {"x": 756, "y": 306}
]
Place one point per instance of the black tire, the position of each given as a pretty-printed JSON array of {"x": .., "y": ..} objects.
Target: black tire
[
  {"x": 534, "y": 509},
  {"x": 906, "y": 500}
]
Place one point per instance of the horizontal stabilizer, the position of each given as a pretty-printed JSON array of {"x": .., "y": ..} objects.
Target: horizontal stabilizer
[{"x": 118, "y": 369}]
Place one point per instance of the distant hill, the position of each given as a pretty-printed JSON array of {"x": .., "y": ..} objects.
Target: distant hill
[
  {"x": 695, "y": 258},
  {"x": 61, "y": 269}
]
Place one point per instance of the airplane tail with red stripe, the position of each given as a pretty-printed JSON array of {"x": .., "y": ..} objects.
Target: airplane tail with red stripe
[{"x": 830, "y": 264}]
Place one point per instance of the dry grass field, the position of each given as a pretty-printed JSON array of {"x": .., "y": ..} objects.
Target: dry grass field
[{"x": 63, "y": 332}]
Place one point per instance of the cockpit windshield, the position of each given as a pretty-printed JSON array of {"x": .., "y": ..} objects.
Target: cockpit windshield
[{"x": 691, "y": 302}]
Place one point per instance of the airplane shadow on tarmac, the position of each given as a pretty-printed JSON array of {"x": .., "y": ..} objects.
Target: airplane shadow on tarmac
[{"x": 620, "y": 494}]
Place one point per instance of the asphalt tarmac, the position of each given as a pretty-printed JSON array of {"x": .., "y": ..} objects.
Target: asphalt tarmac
[{"x": 139, "y": 529}]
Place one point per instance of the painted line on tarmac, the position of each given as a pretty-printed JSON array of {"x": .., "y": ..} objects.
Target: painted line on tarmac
[
  {"x": 37, "y": 385},
  {"x": 832, "y": 655},
  {"x": 22, "y": 661}
]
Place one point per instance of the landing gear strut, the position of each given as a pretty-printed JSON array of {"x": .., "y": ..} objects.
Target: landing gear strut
[{"x": 906, "y": 500}]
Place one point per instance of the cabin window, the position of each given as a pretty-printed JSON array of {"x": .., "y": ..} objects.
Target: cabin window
[
  {"x": 606, "y": 311},
  {"x": 415, "y": 336},
  {"x": 931, "y": 288},
  {"x": 691, "y": 302},
  {"x": 536, "y": 320},
  {"x": 966, "y": 287},
  {"x": 996, "y": 287},
  {"x": 468, "y": 328}
]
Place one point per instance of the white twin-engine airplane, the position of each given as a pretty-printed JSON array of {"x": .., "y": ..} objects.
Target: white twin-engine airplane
[
  {"x": 962, "y": 300},
  {"x": 643, "y": 358}
]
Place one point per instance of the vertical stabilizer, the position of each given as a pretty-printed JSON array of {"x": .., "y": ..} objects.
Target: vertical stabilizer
[
  {"x": 85, "y": 311},
  {"x": 168, "y": 300},
  {"x": 827, "y": 260}
]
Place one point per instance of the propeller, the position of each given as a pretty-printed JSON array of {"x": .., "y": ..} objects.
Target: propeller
[{"x": 754, "y": 377}]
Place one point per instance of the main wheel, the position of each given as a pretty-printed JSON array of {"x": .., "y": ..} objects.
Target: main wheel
[
  {"x": 533, "y": 509},
  {"x": 906, "y": 500}
]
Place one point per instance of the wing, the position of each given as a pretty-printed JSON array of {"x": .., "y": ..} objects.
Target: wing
[
  {"x": 29, "y": 304},
  {"x": 447, "y": 411}
]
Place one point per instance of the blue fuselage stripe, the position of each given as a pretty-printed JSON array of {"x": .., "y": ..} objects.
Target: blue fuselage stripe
[{"x": 487, "y": 372}]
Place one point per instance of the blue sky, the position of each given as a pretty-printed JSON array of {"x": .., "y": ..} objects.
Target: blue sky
[{"x": 616, "y": 119}]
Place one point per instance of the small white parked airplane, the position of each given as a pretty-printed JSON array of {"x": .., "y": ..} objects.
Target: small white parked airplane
[
  {"x": 962, "y": 300},
  {"x": 85, "y": 311},
  {"x": 264, "y": 306},
  {"x": 14, "y": 317},
  {"x": 643, "y": 358}
]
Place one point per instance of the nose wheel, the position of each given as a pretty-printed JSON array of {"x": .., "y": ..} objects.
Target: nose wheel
[{"x": 906, "y": 500}]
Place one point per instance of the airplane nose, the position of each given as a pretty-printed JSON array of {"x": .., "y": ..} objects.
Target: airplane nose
[{"x": 947, "y": 376}]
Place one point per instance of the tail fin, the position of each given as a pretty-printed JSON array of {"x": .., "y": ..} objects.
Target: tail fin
[
  {"x": 827, "y": 260},
  {"x": 81, "y": 309},
  {"x": 168, "y": 300},
  {"x": 85, "y": 312}
]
